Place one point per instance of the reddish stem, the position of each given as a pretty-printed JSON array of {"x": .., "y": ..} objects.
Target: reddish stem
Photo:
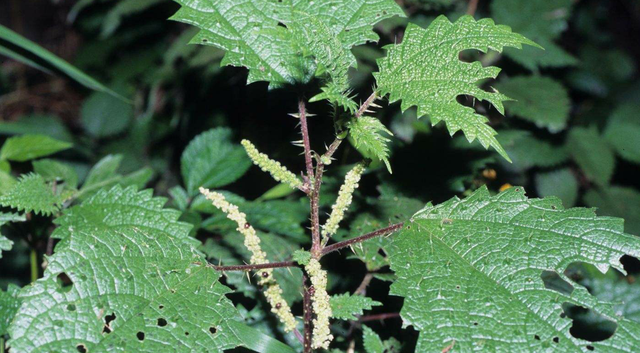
[
  {"x": 377, "y": 317},
  {"x": 349, "y": 242},
  {"x": 255, "y": 267}
]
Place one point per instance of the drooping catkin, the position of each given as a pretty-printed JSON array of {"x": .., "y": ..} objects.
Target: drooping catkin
[
  {"x": 345, "y": 197},
  {"x": 272, "y": 292},
  {"x": 321, "y": 328},
  {"x": 278, "y": 171}
]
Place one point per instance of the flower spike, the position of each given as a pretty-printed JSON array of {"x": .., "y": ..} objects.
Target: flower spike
[
  {"x": 345, "y": 197},
  {"x": 278, "y": 171}
]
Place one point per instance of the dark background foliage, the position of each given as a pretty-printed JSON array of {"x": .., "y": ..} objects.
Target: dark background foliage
[{"x": 179, "y": 91}]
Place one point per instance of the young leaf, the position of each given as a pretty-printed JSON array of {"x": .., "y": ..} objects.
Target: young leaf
[
  {"x": 345, "y": 306},
  {"x": 125, "y": 276},
  {"x": 211, "y": 160},
  {"x": 425, "y": 71},
  {"x": 32, "y": 194},
  {"x": 368, "y": 137},
  {"x": 539, "y": 99},
  {"x": 27, "y": 147},
  {"x": 592, "y": 153},
  {"x": 470, "y": 271}
]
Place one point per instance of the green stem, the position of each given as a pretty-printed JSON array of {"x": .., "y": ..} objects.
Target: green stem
[
  {"x": 34, "y": 265},
  {"x": 1, "y": 345}
]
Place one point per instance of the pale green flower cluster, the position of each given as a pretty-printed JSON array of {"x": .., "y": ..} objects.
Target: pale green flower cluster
[
  {"x": 273, "y": 292},
  {"x": 278, "y": 171},
  {"x": 321, "y": 333},
  {"x": 345, "y": 197}
]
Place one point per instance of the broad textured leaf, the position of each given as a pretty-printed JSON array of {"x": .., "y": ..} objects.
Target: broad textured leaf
[
  {"x": 623, "y": 132},
  {"x": 9, "y": 304},
  {"x": 541, "y": 21},
  {"x": 371, "y": 341},
  {"x": 625, "y": 294},
  {"x": 368, "y": 135},
  {"x": 211, "y": 160},
  {"x": 561, "y": 183},
  {"x": 104, "y": 115},
  {"x": 618, "y": 201},
  {"x": 136, "y": 284},
  {"x": 470, "y": 271},
  {"x": 52, "y": 170},
  {"x": 592, "y": 154},
  {"x": 425, "y": 71},
  {"x": 346, "y": 307},
  {"x": 27, "y": 147},
  {"x": 250, "y": 33},
  {"x": 32, "y": 194},
  {"x": 541, "y": 100}
]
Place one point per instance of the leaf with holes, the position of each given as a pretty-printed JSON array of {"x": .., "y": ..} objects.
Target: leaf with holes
[
  {"x": 125, "y": 277},
  {"x": 345, "y": 306},
  {"x": 470, "y": 271},
  {"x": 425, "y": 71}
]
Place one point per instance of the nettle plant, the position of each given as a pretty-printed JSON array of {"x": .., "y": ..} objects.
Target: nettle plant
[{"x": 126, "y": 275}]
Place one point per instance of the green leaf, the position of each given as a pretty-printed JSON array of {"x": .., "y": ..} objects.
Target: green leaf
[
  {"x": 346, "y": 307},
  {"x": 618, "y": 201},
  {"x": 538, "y": 99},
  {"x": 592, "y": 154},
  {"x": 37, "y": 124},
  {"x": 6, "y": 244},
  {"x": 32, "y": 194},
  {"x": 273, "y": 53},
  {"x": 136, "y": 283},
  {"x": 9, "y": 304},
  {"x": 27, "y": 147},
  {"x": 10, "y": 40},
  {"x": 7, "y": 182},
  {"x": 103, "y": 171},
  {"x": 122, "y": 9},
  {"x": 470, "y": 271},
  {"x": 541, "y": 21},
  {"x": 373, "y": 251},
  {"x": 561, "y": 183},
  {"x": 52, "y": 170},
  {"x": 371, "y": 341},
  {"x": 613, "y": 289},
  {"x": 425, "y": 71},
  {"x": 368, "y": 138},
  {"x": 527, "y": 151},
  {"x": 623, "y": 132},
  {"x": 105, "y": 175},
  {"x": 301, "y": 256},
  {"x": 211, "y": 160},
  {"x": 103, "y": 115}
]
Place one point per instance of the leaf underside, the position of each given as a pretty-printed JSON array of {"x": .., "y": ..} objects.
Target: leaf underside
[
  {"x": 425, "y": 71},
  {"x": 470, "y": 271},
  {"x": 132, "y": 281}
]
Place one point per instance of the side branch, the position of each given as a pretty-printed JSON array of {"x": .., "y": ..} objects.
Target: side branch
[
  {"x": 346, "y": 243},
  {"x": 255, "y": 267}
]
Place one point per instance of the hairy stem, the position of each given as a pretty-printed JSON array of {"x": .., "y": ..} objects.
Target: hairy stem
[
  {"x": 255, "y": 267},
  {"x": 471, "y": 9},
  {"x": 302, "y": 114},
  {"x": 349, "y": 242}
]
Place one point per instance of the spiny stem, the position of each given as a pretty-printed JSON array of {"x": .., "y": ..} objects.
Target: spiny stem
[
  {"x": 366, "y": 104},
  {"x": 255, "y": 267},
  {"x": 314, "y": 192},
  {"x": 302, "y": 114},
  {"x": 346, "y": 243}
]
